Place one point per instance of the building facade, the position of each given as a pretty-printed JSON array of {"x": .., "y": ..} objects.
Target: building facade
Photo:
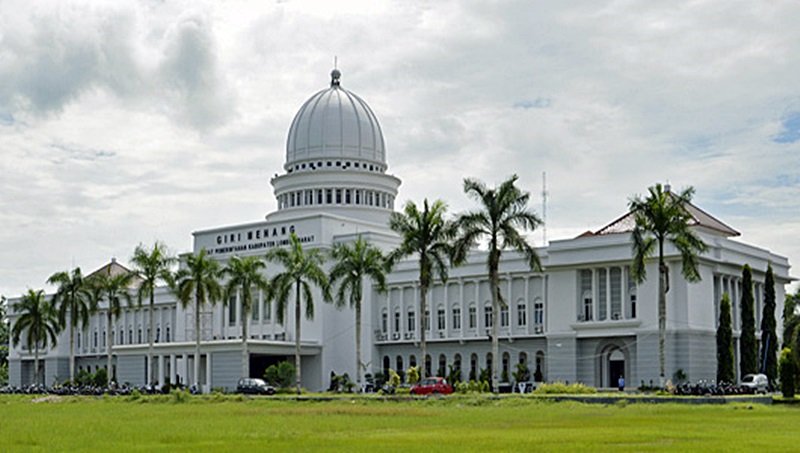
[{"x": 582, "y": 318}]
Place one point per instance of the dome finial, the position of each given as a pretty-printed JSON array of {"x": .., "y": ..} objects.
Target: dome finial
[{"x": 335, "y": 76}]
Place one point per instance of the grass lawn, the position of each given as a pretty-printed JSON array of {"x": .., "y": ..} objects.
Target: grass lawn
[{"x": 447, "y": 424}]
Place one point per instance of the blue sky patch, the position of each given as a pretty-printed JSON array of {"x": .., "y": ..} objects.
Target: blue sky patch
[
  {"x": 538, "y": 103},
  {"x": 791, "y": 129}
]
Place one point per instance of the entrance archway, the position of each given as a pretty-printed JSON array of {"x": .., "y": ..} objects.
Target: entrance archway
[
  {"x": 616, "y": 367},
  {"x": 612, "y": 363}
]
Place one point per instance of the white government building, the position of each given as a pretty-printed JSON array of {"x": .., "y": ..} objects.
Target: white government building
[{"x": 581, "y": 319}]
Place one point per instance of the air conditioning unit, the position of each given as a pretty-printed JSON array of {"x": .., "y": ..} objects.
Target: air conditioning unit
[
  {"x": 581, "y": 318},
  {"x": 538, "y": 329},
  {"x": 409, "y": 335},
  {"x": 616, "y": 316},
  {"x": 441, "y": 334},
  {"x": 395, "y": 336}
]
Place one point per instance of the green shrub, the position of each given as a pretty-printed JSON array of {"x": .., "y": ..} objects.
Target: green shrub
[
  {"x": 180, "y": 396},
  {"x": 402, "y": 391},
  {"x": 523, "y": 373},
  {"x": 788, "y": 373},
  {"x": 412, "y": 375},
  {"x": 556, "y": 388},
  {"x": 100, "y": 378},
  {"x": 280, "y": 375},
  {"x": 394, "y": 378}
]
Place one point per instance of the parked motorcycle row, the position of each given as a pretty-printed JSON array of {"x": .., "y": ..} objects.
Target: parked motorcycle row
[
  {"x": 65, "y": 390},
  {"x": 711, "y": 388}
]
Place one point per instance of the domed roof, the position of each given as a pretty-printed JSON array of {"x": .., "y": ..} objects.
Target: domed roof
[{"x": 335, "y": 123}]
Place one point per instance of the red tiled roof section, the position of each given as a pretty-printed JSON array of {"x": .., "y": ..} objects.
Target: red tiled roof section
[
  {"x": 114, "y": 268},
  {"x": 701, "y": 218}
]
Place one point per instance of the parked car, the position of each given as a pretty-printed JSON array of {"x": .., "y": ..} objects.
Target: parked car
[
  {"x": 432, "y": 386},
  {"x": 756, "y": 383},
  {"x": 253, "y": 386}
]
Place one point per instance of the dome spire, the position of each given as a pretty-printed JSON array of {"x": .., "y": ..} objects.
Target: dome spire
[{"x": 335, "y": 76}]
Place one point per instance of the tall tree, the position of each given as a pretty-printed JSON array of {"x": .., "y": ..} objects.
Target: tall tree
[
  {"x": 354, "y": 263},
  {"x": 73, "y": 305},
  {"x": 725, "y": 359},
  {"x": 502, "y": 219},
  {"x": 301, "y": 269},
  {"x": 198, "y": 282},
  {"x": 151, "y": 266},
  {"x": 790, "y": 318},
  {"x": 38, "y": 322},
  {"x": 662, "y": 218},
  {"x": 426, "y": 234},
  {"x": 748, "y": 347},
  {"x": 769, "y": 337},
  {"x": 245, "y": 275},
  {"x": 113, "y": 288}
]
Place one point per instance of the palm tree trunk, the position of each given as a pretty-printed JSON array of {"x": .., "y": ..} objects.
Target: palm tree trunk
[
  {"x": 71, "y": 352},
  {"x": 297, "y": 337},
  {"x": 109, "y": 341},
  {"x": 358, "y": 343},
  {"x": 423, "y": 294},
  {"x": 245, "y": 355},
  {"x": 493, "y": 287},
  {"x": 662, "y": 313},
  {"x": 36, "y": 363},
  {"x": 197, "y": 344},
  {"x": 150, "y": 348}
]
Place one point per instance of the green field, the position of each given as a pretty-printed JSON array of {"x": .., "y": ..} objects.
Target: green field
[{"x": 447, "y": 424}]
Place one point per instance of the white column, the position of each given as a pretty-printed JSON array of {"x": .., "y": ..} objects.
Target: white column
[
  {"x": 160, "y": 375},
  {"x": 173, "y": 368},
  {"x": 208, "y": 372},
  {"x": 510, "y": 304},
  {"x": 185, "y": 371},
  {"x": 608, "y": 293},
  {"x": 463, "y": 306},
  {"x": 529, "y": 309},
  {"x": 447, "y": 306}
]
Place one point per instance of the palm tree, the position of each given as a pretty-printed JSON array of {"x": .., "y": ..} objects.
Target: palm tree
[
  {"x": 354, "y": 262},
  {"x": 199, "y": 281},
  {"x": 301, "y": 268},
  {"x": 502, "y": 214},
  {"x": 244, "y": 276},
  {"x": 71, "y": 301},
  {"x": 427, "y": 235},
  {"x": 112, "y": 288},
  {"x": 39, "y": 322},
  {"x": 151, "y": 266},
  {"x": 660, "y": 218}
]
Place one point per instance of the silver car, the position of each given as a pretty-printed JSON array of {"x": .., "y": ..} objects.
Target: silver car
[{"x": 756, "y": 383}]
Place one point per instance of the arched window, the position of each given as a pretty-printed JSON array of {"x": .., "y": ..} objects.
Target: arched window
[
  {"x": 412, "y": 360},
  {"x": 440, "y": 317},
  {"x": 168, "y": 336},
  {"x": 457, "y": 367},
  {"x": 456, "y": 317},
  {"x": 399, "y": 364},
  {"x": 506, "y": 373},
  {"x": 386, "y": 366},
  {"x": 473, "y": 367},
  {"x": 442, "y": 372},
  {"x": 426, "y": 322},
  {"x": 523, "y": 358},
  {"x": 538, "y": 313},
  {"x": 539, "y": 371},
  {"x": 121, "y": 338},
  {"x": 587, "y": 306},
  {"x": 489, "y": 363},
  {"x": 384, "y": 321},
  {"x": 428, "y": 365},
  {"x": 397, "y": 320},
  {"x": 487, "y": 315},
  {"x": 79, "y": 340}
]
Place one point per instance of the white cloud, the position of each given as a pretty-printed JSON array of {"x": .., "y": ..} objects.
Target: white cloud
[{"x": 135, "y": 122}]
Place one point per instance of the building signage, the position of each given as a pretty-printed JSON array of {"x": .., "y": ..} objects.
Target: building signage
[{"x": 256, "y": 239}]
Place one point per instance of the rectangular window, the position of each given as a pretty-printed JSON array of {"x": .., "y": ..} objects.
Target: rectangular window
[
  {"x": 328, "y": 195},
  {"x": 267, "y": 311},
  {"x": 440, "y": 318},
  {"x": 602, "y": 288},
  {"x": 487, "y": 316},
  {"x": 538, "y": 313},
  {"x": 504, "y": 317},
  {"x": 358, "y": 196},
  {"x": 168, "y": 336},
  {"x": 255, "y": 305},
  {"x": 346, "y": 196},
  {"x": 384, "y": 322},
  {"x": 231, "y": 311},
  {"x": 319, "y": 196},
  {"x": 397, "y": 321},
  {"x": 522, "y": 314},
  {"x": 338, "y": 196},
  {"x": 473, "y": 317},
  {"x": 456, "y": 318},
  {"x": 412, "y": 322},
  {"x": 426, "y": 321},
  {"x": 616, "y": 292}
]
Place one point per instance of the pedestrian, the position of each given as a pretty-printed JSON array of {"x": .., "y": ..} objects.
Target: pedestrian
[{"x": 621, "y": 383}]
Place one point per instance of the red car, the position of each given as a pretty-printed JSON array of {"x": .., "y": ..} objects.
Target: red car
[{"x": 432, "y": 386}]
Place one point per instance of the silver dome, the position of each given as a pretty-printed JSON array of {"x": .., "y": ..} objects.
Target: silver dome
[{"x": 335, "y": 123}]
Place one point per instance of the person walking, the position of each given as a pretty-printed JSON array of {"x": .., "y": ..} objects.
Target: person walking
[{"x": 621, "y": 383}]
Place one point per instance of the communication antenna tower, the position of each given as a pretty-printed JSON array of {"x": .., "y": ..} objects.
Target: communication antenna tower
[{"x": 544, "y": 208}]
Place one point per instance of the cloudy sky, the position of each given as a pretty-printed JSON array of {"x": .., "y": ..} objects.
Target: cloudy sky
[{"x": 122, "y": 124}]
